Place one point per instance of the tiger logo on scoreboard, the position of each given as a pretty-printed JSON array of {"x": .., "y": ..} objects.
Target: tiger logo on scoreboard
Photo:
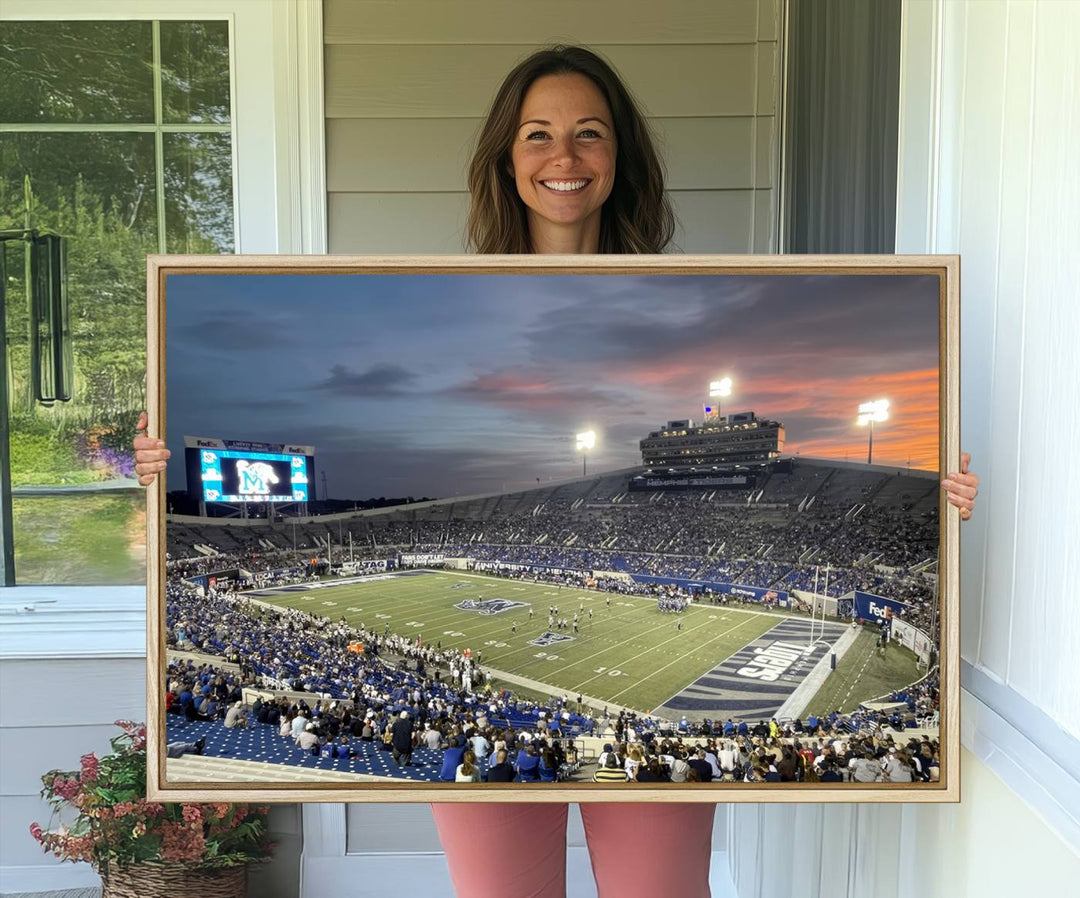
[{"x": 255, "y": 477}]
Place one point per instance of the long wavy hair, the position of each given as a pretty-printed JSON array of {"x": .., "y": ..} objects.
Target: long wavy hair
[{"x": 636, "y": 218}]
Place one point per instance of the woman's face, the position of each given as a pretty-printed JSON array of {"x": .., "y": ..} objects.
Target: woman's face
[{"x": 563, "y": 154}]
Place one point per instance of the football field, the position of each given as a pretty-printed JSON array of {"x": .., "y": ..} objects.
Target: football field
[{"x": 628, "y": 653}]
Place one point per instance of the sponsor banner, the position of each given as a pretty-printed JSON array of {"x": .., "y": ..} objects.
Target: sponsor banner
[
  {"x": 423, "y": 559},
  {"x": 877, "y": 608},
  {"x": 191, "y": 442},
  {"x": 355, "y": 567},
  {"x": 514, "y": 566},
  {"x": 548, "y": 638},
  {"x": 490, "y": 606},
  {"x": 750, "y": 593},
  {"x": 721, "y": 481}
]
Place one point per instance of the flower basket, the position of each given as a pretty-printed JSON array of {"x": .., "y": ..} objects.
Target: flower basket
[
  {"x": 147, "y": 849},
  {"x": 174, "y": 881}
]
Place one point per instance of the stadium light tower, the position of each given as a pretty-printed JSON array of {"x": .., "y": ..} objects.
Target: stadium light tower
[
  {"x": 869, "y": 412},
  {"x": 719, "y": 390},
  {"x": 585, "y": 441}
]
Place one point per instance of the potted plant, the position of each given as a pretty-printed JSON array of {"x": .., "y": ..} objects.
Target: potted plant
[{"x": 143, "y": 848}]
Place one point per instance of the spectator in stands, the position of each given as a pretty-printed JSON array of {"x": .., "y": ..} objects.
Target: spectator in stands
[
  {"x": 467, "y": 771},
  {"x": 865, "y": 769},
  {"x": 897, "y": 768},
  {"x": 236, "y": 716},
  {"x": 402, "y": 739},
  {"x": 611, "y": 772},
  {"x": 479, "y": 744},
  {"x": 700, "y": 766},
  {"x": 308, "y": 739},
  {"x": 452, "y": 757},
  {"x": 431, "y": 737},
  {"x": 653, "y": 772},
  {"x": 549, "y": 765},
  {"x": 680, "y": 768},
  {"x": 179, "y": 749},
  {"x": 528, "y": 764},
  {"x": 500, "y": 771}
]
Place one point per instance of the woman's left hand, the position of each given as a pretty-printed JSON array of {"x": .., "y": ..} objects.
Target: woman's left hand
[{"x": 962, "y": 488}]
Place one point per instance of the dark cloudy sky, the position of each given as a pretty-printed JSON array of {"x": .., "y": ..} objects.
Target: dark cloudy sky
[{"x": 446, "y": 385}]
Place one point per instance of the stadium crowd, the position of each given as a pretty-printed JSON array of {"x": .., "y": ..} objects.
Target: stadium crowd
[
  {"x": 360, "y": 685},
  {"x": 860, "y": 532}
]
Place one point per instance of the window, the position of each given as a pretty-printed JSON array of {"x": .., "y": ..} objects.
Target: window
[{"x": 118, "y": 136}]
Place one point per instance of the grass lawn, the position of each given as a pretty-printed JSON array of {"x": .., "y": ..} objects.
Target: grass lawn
[
  {"x": 80, "y": 539},
  {"x": 629, "y": 653},
  {"x": 864, "y": 673}
]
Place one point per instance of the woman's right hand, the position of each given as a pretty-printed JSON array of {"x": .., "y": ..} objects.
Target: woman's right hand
[{"x": 150, "y": 453}]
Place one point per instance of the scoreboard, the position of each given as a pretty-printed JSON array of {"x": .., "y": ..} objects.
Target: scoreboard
[{"x": 235, "y": 471}]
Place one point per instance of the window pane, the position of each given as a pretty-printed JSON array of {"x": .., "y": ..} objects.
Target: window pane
[
  {"x": 82, "y": 539},
  {"x": 97, "y": 190},
  {"x": 76, "y": 72},
  {"x": 198, "y": 193},
  {"x": 195, "y": 71}
]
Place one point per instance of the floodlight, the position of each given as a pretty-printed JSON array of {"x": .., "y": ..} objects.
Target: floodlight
[
  {"x": 586, "y": 440},
  {"x": 869, "y": 412},
  {"x": 720, "y": 387}
]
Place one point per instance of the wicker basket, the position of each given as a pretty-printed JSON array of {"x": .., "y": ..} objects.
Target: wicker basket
[{"x": 174, "y": 881}]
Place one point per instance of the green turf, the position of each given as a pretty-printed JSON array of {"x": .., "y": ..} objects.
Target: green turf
[
  {"x": 865, "y": 673},
  {"x": 630, "y": 654},
  {"x": 80, "y": 539}
]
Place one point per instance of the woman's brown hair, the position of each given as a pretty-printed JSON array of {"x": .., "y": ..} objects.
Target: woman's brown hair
[{"x": 637, "y": 216}]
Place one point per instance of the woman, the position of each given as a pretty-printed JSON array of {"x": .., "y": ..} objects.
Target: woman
[
  {"x": 467, "y": 771},
  {"x": 565, "y": 164}
]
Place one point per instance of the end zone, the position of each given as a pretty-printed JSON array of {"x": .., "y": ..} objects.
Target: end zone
[{"x": 758, "y": 679}]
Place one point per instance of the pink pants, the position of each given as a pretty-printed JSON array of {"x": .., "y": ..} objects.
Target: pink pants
[{"x": 519, "y": 850}]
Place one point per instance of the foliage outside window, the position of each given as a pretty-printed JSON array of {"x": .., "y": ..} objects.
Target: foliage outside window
[{"x": 118, "y": 136}]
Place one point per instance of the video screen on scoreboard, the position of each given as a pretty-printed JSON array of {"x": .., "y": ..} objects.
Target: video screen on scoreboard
[{"x": 230, "y": 475}]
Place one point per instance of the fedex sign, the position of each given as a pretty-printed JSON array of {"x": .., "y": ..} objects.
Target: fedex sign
[{"x": 871, "y": 607}]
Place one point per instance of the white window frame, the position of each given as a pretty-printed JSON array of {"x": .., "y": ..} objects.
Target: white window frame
[{"x": 279, "y": 189}]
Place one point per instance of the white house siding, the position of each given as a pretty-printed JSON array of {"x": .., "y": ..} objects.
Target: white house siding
[
  {"x": 989, "y": 142},
  {"x": 408, "y": 83}
]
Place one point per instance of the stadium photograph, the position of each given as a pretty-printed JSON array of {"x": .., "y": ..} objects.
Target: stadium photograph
[{"x": 552, "y": 529}]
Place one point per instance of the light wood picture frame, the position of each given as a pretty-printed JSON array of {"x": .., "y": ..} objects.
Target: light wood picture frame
[{"x": 464, "y": 383}]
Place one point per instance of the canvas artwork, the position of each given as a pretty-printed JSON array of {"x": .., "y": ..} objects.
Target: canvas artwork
[{"x": 474, "y": 529}]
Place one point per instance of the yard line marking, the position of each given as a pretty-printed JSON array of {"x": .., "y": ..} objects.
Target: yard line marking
[{"x": 661, "y": 644}]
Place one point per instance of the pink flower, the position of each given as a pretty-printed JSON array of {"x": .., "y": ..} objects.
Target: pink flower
[
  {"x": 89, "y": 768},
  {"x": 37, "y": 832},
  {"x": 181, "y": 842},
  {"x": 65, "y": 788},
  {"x": 150, "y": 808},
  {"x": 192, "y": 814}
]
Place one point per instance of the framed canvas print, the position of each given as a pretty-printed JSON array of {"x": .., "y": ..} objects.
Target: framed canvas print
[{"x": 554, "y": 528}]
